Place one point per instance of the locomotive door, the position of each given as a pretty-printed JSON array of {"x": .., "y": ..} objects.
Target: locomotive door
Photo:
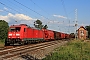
[{"x": 25, "y": 33}]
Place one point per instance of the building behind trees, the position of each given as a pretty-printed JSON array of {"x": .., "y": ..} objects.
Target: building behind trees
[{"x": 82, "y": 33}]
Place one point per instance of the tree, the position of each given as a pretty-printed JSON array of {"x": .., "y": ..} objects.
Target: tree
[
  {"x": 88, "y": 29},
  {"x": 38, "y": 24},
  {"x": 3, "y": 29},
  {"x": 45, "y": 27}
]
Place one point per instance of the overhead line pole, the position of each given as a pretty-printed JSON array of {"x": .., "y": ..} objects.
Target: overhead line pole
[{"x": 76, "y": 25}]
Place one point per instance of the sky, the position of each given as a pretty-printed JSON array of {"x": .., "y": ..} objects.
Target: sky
[{"x": 59, "y": 15}]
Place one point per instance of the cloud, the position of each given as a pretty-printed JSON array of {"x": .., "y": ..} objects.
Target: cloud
[
  {"x": 5, "y": 8},
  {"x": 1, "y": 10},
  {"x": 54, "y": 22},
  {"x": 59, "y": 16},
  {"x": 20, "y": 18}
]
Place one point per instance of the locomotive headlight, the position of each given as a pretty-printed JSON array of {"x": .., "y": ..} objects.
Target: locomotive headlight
[
  {"x": 17, "y": 34},
  {"x": 18, "y": 37},
  {"x": 9, "y": 37},
  {"x": 10, "y": 34}
]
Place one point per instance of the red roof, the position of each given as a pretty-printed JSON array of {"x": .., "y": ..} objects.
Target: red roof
[{"x": 81, "y": 27}]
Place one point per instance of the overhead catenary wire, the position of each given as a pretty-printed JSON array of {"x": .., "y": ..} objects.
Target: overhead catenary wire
[
  {"x": 15, "y": 5},
  {"x": 7, "y": 11},
  {"x": 21, "y": 8},
  {"x": 66, "y": 13},
  {"x": 39, "y": 7},
  {"x": 64, "y": 8},
  {"x": 9, "y": 7},
  {"x": 30, "y": 9}
]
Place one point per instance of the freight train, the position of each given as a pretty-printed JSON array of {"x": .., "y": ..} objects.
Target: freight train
[{"x": 23, "y": 33}]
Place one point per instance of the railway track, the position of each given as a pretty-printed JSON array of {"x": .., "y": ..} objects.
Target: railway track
[
  {"x": 7, "y": 47},
  {"x": 17, "y": 51}
]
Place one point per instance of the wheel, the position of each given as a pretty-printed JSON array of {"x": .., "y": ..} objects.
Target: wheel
[{"x": 21, "y": 43}]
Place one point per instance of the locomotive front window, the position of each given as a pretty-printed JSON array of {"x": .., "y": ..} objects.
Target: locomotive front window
[{"x": 16, "y": 29}]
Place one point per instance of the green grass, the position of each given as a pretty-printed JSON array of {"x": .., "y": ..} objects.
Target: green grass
[
  {"x": 1, "y": 44},
  {"x": 74, "y": 50}
]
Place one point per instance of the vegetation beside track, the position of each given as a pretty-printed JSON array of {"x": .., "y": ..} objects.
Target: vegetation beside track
[
  {"x": 1, "y": 43},
  {"x": 74, "y": 50}
]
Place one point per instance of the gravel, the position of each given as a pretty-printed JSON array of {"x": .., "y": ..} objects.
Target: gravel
[{"x": 37, "y": 54}]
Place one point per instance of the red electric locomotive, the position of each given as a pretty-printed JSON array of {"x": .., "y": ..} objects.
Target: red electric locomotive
[{"x": 23, "y": 34}]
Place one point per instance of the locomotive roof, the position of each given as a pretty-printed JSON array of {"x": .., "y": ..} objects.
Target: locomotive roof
[{"x": 19, "y": 25}]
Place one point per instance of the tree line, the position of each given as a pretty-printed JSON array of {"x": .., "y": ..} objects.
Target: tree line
[{"x": 37, "y": 24}]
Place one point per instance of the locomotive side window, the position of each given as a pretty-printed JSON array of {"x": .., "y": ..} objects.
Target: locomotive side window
[{"x": 16, "y": 29}]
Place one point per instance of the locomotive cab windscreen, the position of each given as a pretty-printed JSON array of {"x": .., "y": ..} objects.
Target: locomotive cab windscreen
[
  {"x": 14, "y": 29},
  {"x": 14, "y": 32}
]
